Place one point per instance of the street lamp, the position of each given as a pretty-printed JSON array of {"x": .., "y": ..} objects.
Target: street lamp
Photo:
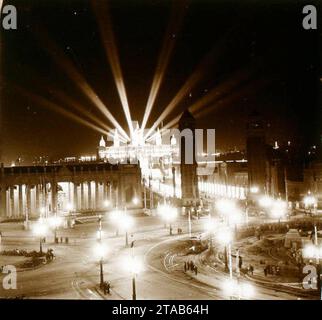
[
  {"x": 135, "y": 266},
  {"x": 100, "y": 251},
  {"x": 54, "y": 223},
  {"x": 169, "y": 214},
  {"x": 135, "y": 201},
  {"x": 225, "y": 237},
  {"x": 254, "y": 189},
  {"x": 278, "y": 209},
  {"x": 106, "y": 203},
  {"x": 40, "y": 230},
  {"x": 265, "y": 201},
  {"x": 125, "y": 222},
  {"x": 309, "y": 201}
]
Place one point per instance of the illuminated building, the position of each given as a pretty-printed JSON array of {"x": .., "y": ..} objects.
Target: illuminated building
[{"x": 147, "y": 153}]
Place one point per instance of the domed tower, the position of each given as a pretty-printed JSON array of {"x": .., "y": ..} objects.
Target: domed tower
[
  {"x": 188, "y": 166},
  {"x": 101, "y": 148}
]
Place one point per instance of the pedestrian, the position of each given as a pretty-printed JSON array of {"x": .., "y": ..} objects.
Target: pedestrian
[
  {"x": 196, "y": 270},
  {"x": 185, "y": 267},
  {"x": 240, "y": 263},
  {"x": 251, "y": 270},
  {"x": 265, "y": 271}
]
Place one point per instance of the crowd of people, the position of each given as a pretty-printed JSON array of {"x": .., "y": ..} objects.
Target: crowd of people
[{"x": 189, "y": 265}]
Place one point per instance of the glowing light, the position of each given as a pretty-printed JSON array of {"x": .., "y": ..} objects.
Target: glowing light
[
  {"x": 100, "y": 250},
  {"x": 229, "y": 287},
  {"x": 265, "y": 201},
  {"x": 135, "y": 200},
  {"x": 309, "y": 200},
  {"x": 80, "y": 108},
  {"x": 278, "y": 209},
  {"x": 126, "y": 222},
  {"x": 107, "y": 203},
  {"x": 115, "y": 214},
  {"x": 225, "y": 206},
  {"x": 254, "y": 189},
  {"x": 167, "y": 212},
  {"x": 224, "y": 236},
  {"x": 133, "y": 265},
  {"x": 55, "y": 222},
  {"x": 40, "y": 229}
]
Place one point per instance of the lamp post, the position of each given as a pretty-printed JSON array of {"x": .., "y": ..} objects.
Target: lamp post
[
  {"x": 40, "y": 230},
  {"x": 169, "y": 214},
  {"x": 309, "y": 202},
  {"x": 134, "y": 266},
  {"x": 224, "y": 236},
  {"x": 125, "y": 222},
  {"x": 100, "y": 250},
  {"x": 278, "y": 209},
  {"x": 55, "y": 222}
]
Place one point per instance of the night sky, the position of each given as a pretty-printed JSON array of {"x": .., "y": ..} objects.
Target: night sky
[{"x": 261, "y": 40}]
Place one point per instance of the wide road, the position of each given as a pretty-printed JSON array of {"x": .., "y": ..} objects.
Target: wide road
[{"x": 74, "y": 274}]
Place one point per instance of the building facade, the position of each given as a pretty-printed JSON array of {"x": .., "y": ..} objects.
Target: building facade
[{"x": 43, "y": 190}]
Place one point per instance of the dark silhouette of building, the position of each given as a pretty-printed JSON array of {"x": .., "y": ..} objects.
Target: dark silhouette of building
[
  {"x": 256, "y": 152},
  {"x": 188, "y": 166}
]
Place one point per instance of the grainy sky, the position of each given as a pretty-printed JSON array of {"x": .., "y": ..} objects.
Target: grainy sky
[{"x": 263, "y": 41}]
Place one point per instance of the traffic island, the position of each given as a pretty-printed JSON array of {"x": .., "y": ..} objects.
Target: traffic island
[{"x": 23, "y": 259}]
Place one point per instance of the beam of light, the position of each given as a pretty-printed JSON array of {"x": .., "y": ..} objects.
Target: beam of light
[
  {"x": 230, "y": 98},
  {"x": 74, "y": 104},
  {"x": 193, "y": 79},
  {"x": 222, "y": 90},
  {"x": 169, "y": 40},
  {"x": 41, "y": 101},
  {"x": 67, "y": 66},
  {"x": 104, "y": 21},
  {"x": 171, "y": 124}
]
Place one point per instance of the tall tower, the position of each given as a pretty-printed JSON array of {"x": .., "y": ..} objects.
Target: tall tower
[
  {"x": 256, "y": 152},
  {"x": 101, "y": 148},
  {"x": 189, "y": 179}
]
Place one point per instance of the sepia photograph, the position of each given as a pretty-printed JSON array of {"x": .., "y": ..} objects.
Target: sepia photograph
[{"x": 165, "y": 150}]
